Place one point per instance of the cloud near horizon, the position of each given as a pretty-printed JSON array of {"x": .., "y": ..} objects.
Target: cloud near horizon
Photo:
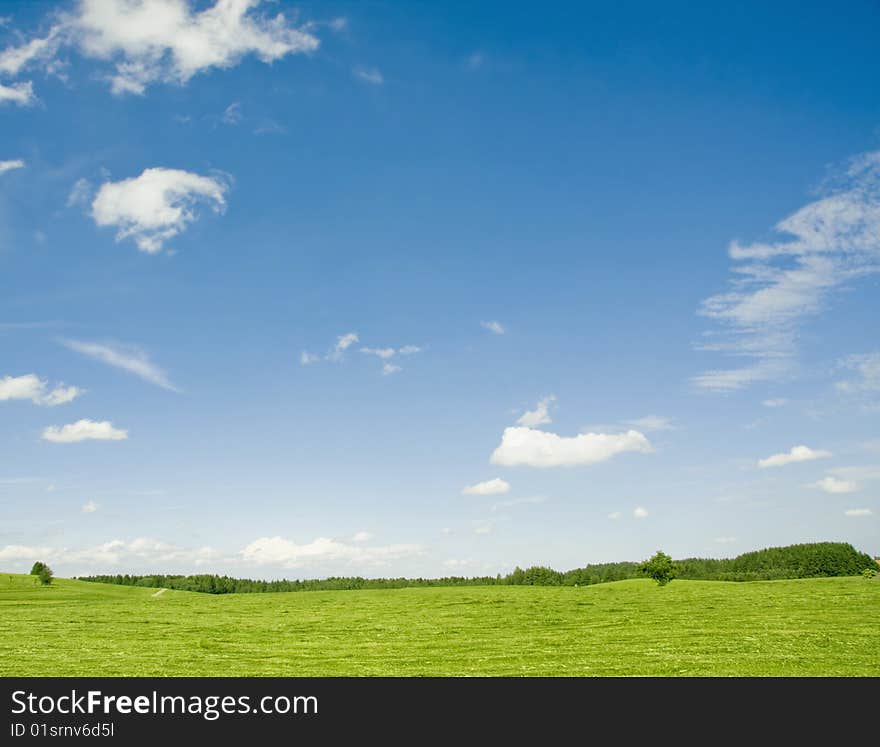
[{"x": 280, "y": 552}]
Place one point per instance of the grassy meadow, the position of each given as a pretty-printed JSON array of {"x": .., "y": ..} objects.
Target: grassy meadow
[{"x": 809, "y": 627}]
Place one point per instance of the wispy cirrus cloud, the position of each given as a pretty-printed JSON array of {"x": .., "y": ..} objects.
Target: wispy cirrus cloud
[
  {"x": 496, "y": 328},
  {"x": 778, "y": 285},
  {"x": 128, "y": 358},
  {"x": 371, "y": 75}
]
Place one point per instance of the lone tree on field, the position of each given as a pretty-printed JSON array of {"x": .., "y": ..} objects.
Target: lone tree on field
[
  {"x": 661, "y": 568},
  {"x": 43, "y": 572},
  {"x": 37, "y": 567}
]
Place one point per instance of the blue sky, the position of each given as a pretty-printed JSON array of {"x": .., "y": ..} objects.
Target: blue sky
[{"x": 408, "y": 288}]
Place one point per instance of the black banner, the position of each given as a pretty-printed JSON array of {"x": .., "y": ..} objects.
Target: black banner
[{"x": 176, "y": 710}]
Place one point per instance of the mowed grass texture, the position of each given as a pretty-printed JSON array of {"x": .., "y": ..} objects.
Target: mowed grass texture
[{"x": 813, "y": 627}]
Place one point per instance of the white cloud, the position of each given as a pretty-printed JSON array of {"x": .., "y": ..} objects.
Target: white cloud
[
  {"x": 725, "y": 540},
  {"x": 496, "y": 486},
  {"x": 114, "y": 552},
  {"x": 651, "y": 423},
  {"x": 867, "y": 367},
  {"x": 128, "y": 358},
  {"x": 284, "y": 553},
  {"x": 362, "y": 537},
  {"x": 834, "y": 485},
  {"x": 383, "y": 353},
  {"x": 155, "y": 206},
  {"x": 232, "y": 114},
  {"x": 31, "y": 387},
  {"x": 343, "y": 343},
  {"x": 779, "y": 402},
  {"x": 80, "y": 193},
  {"x": 11, "y": 165},
  {"x": 373, "y": 75},
  {"x": 89, "y": 507},
  {"x": 615, "y": 515},
  {"x": 858, "y": 512},
  {"x": 640, "y": 513},
  {"x": 484, "y": 527},
  {"x": 20, "y": 94},
  {"x": 795, "y": 454},
  {"x": 494, "y": 327},
  {"x": 150, "y": 41},
  {"x": 307, "y": 359},
  {"x": 539, "y": 416},
  {"x": 828, "y": 243},
  {"x": 536, "y": 448},
  {"x": 84, "y": 430},
  {"x": 458, "y": 563}
]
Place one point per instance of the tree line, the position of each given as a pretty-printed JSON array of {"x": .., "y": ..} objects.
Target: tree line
[{"x": 793, "y": 561}]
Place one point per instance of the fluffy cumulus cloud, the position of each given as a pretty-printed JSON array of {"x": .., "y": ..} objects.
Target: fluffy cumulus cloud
[
  {"x": 778, "y": 285},
  {"x": 149, "y": 41},
  {"x": 84, "y": 430},
  {"x": 496, "y": 486},
  {"x": 640, "y": 513},
  {"x": 496, "y": 328},
  {"x": 793, "y": 455},
  {"x": 89, "y": 507},
  {"x": 12, "y": 165},
  {"x": 156, "y": 206},
  {"x": 127, "y": 358},
  {"x": 31, "y": 387},
  {"x": 832, "y": 484},
  {"x": 284, "y": 553},
  {"x": 539, "y": 416},
  {"x": 535, "y": 448}
]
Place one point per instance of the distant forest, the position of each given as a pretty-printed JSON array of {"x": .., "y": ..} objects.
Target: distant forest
[{"x": 793, "y": 561}]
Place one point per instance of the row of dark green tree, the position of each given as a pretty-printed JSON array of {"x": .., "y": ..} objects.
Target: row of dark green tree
[{"x": 793, "y": 561}]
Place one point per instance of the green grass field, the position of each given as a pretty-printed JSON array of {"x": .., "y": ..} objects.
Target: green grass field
[{"x": 810, "y": 627}]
